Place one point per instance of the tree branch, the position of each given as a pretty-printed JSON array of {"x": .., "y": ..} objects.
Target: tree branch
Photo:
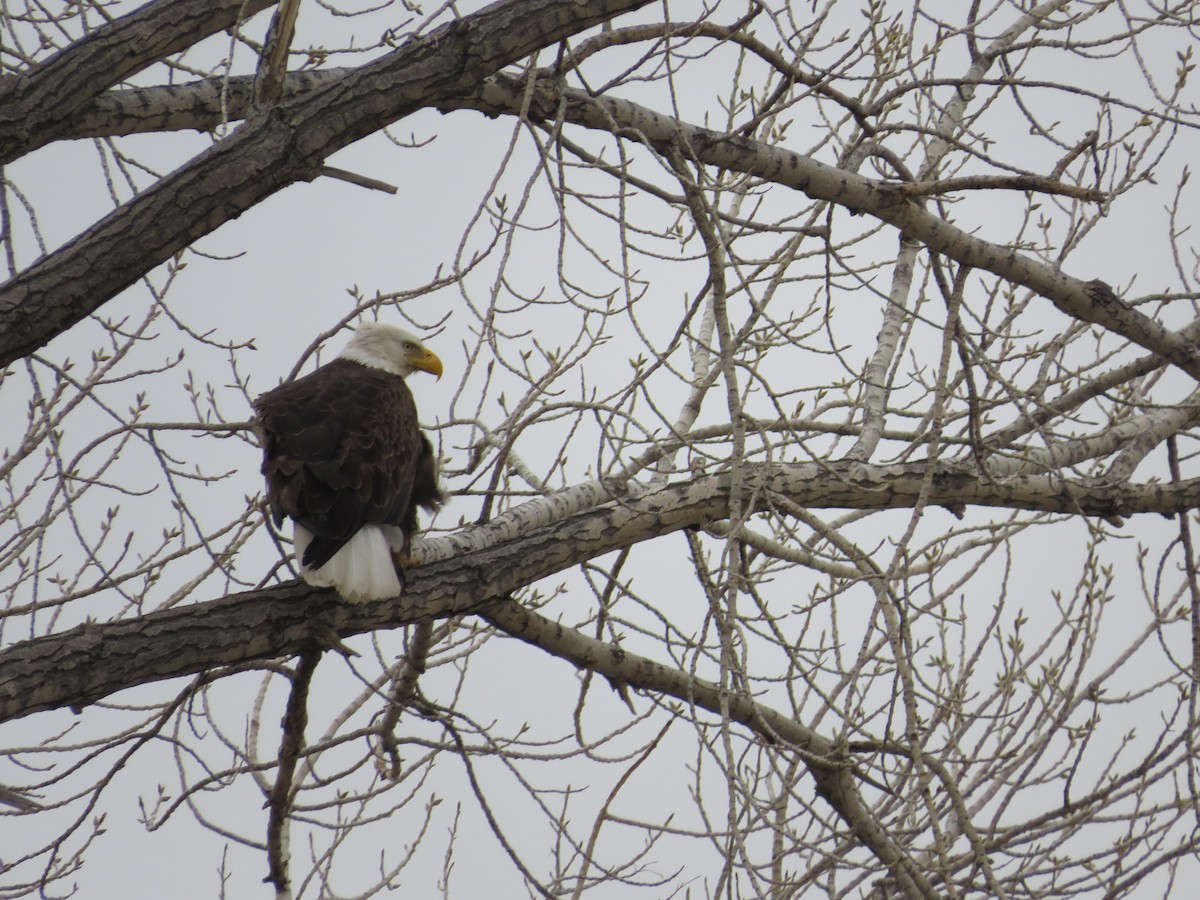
[
  {"x": 282, "y": 145},
  {"x": 34, "y": 104},
  {"x": 825, "y": 761},
  {"x": 201, "y": 105},
  {"x": 272, "y": 66},
  {"x": 1090, "y": 301},
  {"x": 478, "y": 564},
  {"x": 195, "y": 106},
  {"x": 192, "y": 106},
  {"x": 282, "y": 797}
]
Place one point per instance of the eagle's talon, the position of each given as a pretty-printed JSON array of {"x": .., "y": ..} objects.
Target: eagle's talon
[{"x": 404, "y": 561}]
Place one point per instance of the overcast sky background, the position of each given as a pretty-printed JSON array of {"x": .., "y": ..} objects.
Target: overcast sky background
[{"x": 280, "y": 275}]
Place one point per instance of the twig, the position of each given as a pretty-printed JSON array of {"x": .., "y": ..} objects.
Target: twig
[
  {"x": 1033, "y": 183},
  {"x": 373, "y": 184}
]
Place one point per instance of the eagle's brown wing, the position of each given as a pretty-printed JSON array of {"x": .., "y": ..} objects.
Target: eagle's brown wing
[
  {"x": 425, "y": 493},
  {"x": 341, "y": 449}
]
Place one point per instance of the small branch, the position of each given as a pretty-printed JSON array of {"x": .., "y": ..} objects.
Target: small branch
[
  {"x": 295, "y": 718},
  {"x": 1189, "y": 558},
  {"x": 834, "y": 777},
  {"x": 404, "y": 688},
  {"x": 1032, "y": 183},
  {"x": 272, "y": 64},
  {"x": 17, "y": 799},
  {"x": 1088, "y": 141},
  {"x": 1193, "y": 583},
  {"x": 589, "y": 852},
  {"x": 361, "y": 180}
]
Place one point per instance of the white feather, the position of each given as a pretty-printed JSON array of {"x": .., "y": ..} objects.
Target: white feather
[
  {"x": 384, "y": 347},
  {"x": 362, "y": 570}
]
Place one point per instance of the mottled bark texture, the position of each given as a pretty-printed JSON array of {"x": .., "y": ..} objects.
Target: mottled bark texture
[
  {"x": 277, "y": 147},
  {"x": 199, "y": 105},
  {"x": 35, "y": 104},
  {"x": 491, "y": 561}
]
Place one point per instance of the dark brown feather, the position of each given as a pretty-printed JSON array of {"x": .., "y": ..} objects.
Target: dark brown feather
[
  {"x": 425, "y": 492},
  {"x": 342, "y": 449}
]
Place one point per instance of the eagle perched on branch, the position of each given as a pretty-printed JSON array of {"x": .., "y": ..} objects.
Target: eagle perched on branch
[{"x": 345, "y": 460}]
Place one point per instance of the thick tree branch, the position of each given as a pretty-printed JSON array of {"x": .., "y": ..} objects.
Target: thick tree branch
[
  {"x": 34, "y": 104},
  {"x": 197, "y": 106},
  {"x": 489, "y": 561},
  {"x": 192, "y": 106},
  {"x": 284, "y": 144}
]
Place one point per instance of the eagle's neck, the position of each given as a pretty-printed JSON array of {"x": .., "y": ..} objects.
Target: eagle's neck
[{"x": 363, "y": 353}]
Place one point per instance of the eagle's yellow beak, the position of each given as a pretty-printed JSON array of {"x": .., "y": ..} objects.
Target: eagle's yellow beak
[{"x": 427, "y": 361}]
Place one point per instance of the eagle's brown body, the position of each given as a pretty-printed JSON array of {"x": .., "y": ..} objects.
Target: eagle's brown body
[{"x": 345, "y": 459}]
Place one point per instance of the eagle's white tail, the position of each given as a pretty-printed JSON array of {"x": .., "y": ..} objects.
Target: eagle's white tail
[{"x": 362, "y": 570}]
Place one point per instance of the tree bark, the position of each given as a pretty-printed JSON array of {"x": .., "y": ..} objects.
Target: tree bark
[
  {"x": 273, "y": 149},
  {"x": 197, "y": 106},
  {"x": 34, "y": 105},
  {"x": 493, "y": 560}
]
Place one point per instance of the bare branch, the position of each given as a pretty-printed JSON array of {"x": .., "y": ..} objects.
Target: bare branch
[
  {"x": 286, "y": 145},
  {"x": 492, "y": 560}
]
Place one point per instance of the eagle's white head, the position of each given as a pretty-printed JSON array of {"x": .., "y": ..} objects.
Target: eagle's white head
[{"x": 391, "y": 349}]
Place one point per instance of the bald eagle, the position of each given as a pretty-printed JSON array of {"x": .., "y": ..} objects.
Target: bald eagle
[{"x": 345, "y": 460}]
